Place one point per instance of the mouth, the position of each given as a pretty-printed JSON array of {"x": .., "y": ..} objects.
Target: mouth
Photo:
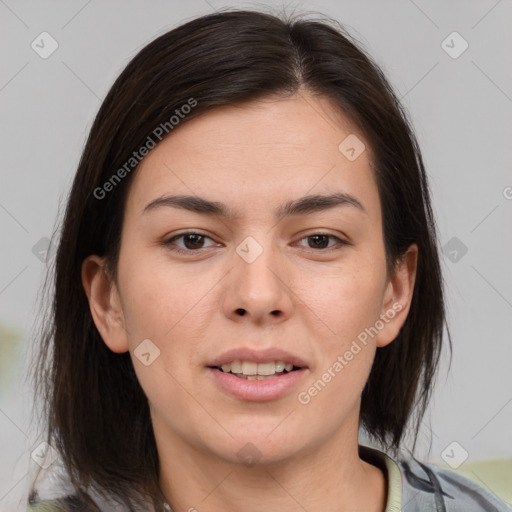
[
  {"x": 257, "y": 375},
  {"x": 251, "y": 370}
]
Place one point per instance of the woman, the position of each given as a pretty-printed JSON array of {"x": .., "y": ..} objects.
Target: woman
[{"x": 247, "y": 275}]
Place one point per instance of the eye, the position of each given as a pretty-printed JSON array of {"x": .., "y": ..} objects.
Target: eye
[
  {"x": 321, "y": 241},
  {"x": 192, "y": 242}
]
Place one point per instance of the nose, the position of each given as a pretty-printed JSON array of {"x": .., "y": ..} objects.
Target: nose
[{"x": 258, "y": 290}]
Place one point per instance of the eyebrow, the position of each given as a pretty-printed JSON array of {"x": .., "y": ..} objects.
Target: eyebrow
[{"x": 304, "y": 205}]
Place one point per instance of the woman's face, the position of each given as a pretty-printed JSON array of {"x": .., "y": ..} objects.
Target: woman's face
[{"x": 284, "y": 262}]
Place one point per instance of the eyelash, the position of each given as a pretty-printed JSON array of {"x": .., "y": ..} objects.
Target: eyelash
[{"x": 169, "y": 243}]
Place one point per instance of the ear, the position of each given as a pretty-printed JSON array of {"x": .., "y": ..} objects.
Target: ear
[
  {"x": 398, "y": 297},
  {"x": 104, "y": 303}
]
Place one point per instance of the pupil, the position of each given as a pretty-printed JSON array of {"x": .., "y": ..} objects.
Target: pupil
[
  {"x": 317, "y": 238},
  {"x": 194, "y": 239}
]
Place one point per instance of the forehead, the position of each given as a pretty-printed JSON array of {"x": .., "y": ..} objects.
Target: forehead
[{"x": 259, "y": 153}]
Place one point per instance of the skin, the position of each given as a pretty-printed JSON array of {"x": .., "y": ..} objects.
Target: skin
[{"x": 312, "y": 302}]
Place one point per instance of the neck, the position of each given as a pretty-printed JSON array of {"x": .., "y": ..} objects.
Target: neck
[{"x": 329, "y": 476}]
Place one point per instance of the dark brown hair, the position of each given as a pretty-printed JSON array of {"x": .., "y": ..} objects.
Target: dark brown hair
[{"x": 96, "y": 412}]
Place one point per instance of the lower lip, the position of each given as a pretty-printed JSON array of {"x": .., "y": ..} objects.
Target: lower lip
[{"x": 258, "y": 390}]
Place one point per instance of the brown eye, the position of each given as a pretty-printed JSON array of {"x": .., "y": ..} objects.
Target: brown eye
[
  {"x": 318, "y": 241},
  {"x": 191, "y": 242},
  {"x": 322, "y": 241}
]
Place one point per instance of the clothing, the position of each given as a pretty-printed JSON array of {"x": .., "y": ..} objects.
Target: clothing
[
  {"x": 417, "y": 487},
  {"x": 412, "y": 487}
]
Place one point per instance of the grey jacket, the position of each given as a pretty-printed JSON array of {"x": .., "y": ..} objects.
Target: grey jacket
[
  {"x": 427, "y": 487},
  {"x": 413, "y": 486}
]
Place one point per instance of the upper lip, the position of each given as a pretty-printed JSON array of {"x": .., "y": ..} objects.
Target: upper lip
[{"x": 257, "y": 356}]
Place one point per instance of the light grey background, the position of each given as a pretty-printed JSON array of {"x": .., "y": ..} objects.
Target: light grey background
[{"x": 462, "y": 112}]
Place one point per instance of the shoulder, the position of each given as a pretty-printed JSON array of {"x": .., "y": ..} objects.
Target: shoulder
[
  {"x": 427, "y": 485},
  {"x": 69, "y": 503},
  {"x": 52, "y": 490},
  {"x": 414, "y": 486}
]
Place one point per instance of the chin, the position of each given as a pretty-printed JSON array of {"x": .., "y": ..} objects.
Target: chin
[{"x": 258, "y": 446}]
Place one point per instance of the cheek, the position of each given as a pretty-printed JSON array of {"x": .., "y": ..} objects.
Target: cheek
[
  {"x": 159, "y": 300},
  {"x": 164, "y": 306},
  {"x": 348, "y": 307},
  {"x": 346, "y": 301}
]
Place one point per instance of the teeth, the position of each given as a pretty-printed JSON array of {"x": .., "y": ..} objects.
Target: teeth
[
  {"x": 256, "y": 371},
  {"x": 236, "y": 367},
  {"x": 280, "y": 366},
  {"x": 266, "y": 368},
  {"x": 255, "y": 377},
  {"x": 249, "y": 368}
]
